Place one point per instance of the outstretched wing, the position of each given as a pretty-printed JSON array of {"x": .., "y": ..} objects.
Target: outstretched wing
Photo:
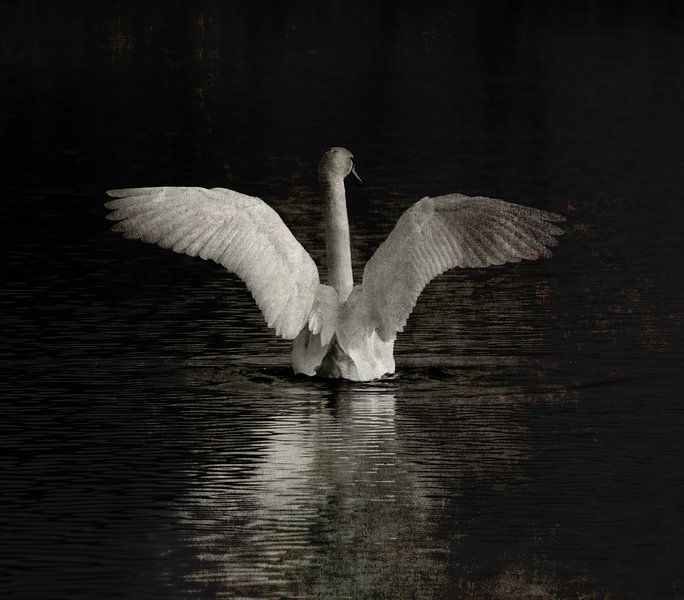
[
  {"x": 441, "y": 233},
  {"x": 240, "y": 232}
]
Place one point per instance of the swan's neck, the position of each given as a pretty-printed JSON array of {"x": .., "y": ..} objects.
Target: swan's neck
[{"x": 337, "y": 237}]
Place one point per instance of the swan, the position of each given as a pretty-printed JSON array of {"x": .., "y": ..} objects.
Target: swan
[{"x": 339, "y": 330}]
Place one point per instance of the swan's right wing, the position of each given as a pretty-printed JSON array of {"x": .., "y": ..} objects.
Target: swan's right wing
[
  {"x": 437, "y": 234},
  {"x": 240, "y": 232}
]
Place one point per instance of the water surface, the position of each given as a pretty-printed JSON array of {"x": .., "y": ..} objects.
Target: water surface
[{"x": 155, "y": 442}]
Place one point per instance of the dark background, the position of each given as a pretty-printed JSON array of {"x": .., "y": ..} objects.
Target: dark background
[{"x": 109, "y": 347}]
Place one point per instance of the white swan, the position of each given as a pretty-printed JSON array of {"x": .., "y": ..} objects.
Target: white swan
[{"x": 339, "y": 330}]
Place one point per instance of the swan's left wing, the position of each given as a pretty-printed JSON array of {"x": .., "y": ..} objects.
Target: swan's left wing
[
  {"x": 437, "y": 234},
  {"x": 240, "y": 232}
]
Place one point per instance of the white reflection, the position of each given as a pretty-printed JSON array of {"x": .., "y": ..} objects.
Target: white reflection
[
  {"x": 325, "y": 501},
  {"x": 320, "y": 488}
]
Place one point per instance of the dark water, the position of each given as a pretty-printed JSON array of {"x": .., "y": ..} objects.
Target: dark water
[{"x": 155, "y": 444}]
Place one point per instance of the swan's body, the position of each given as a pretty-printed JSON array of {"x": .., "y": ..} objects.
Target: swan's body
[{"x": 339, "y": 330}]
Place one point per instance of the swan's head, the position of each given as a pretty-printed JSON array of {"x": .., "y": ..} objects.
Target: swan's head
[{"x": 336, "y": 163}]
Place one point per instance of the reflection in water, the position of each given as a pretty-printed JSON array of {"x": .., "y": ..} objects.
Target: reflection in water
[
  {"x": 328, "y": 502},
  {"x": 344, "y": 487}
]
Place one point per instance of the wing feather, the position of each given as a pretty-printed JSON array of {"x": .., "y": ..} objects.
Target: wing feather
[
  {"x": 239, "y": 232},
  {"x": 437, "y": 234}
]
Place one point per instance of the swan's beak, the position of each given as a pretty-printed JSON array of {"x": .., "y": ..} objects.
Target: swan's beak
[{"x": 355, "y": 174}]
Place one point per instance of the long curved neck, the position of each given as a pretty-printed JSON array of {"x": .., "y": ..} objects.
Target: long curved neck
[{"x": 337, "y": 237}]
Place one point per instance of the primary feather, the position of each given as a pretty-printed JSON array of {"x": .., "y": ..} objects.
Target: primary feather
[
  {"x": 437, "y": 234},
  {"x": 240, "y": 232}
]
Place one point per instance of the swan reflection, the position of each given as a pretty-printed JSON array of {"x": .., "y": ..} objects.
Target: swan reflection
[
  {"x": 347, "y": 488},
  {"x": 325, "y": 489}
]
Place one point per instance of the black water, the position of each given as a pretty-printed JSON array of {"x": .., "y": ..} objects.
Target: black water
[{"x": 155, "y": 444}]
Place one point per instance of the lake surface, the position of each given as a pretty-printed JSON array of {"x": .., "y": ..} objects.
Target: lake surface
[{"x": 156, "y": 444}]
